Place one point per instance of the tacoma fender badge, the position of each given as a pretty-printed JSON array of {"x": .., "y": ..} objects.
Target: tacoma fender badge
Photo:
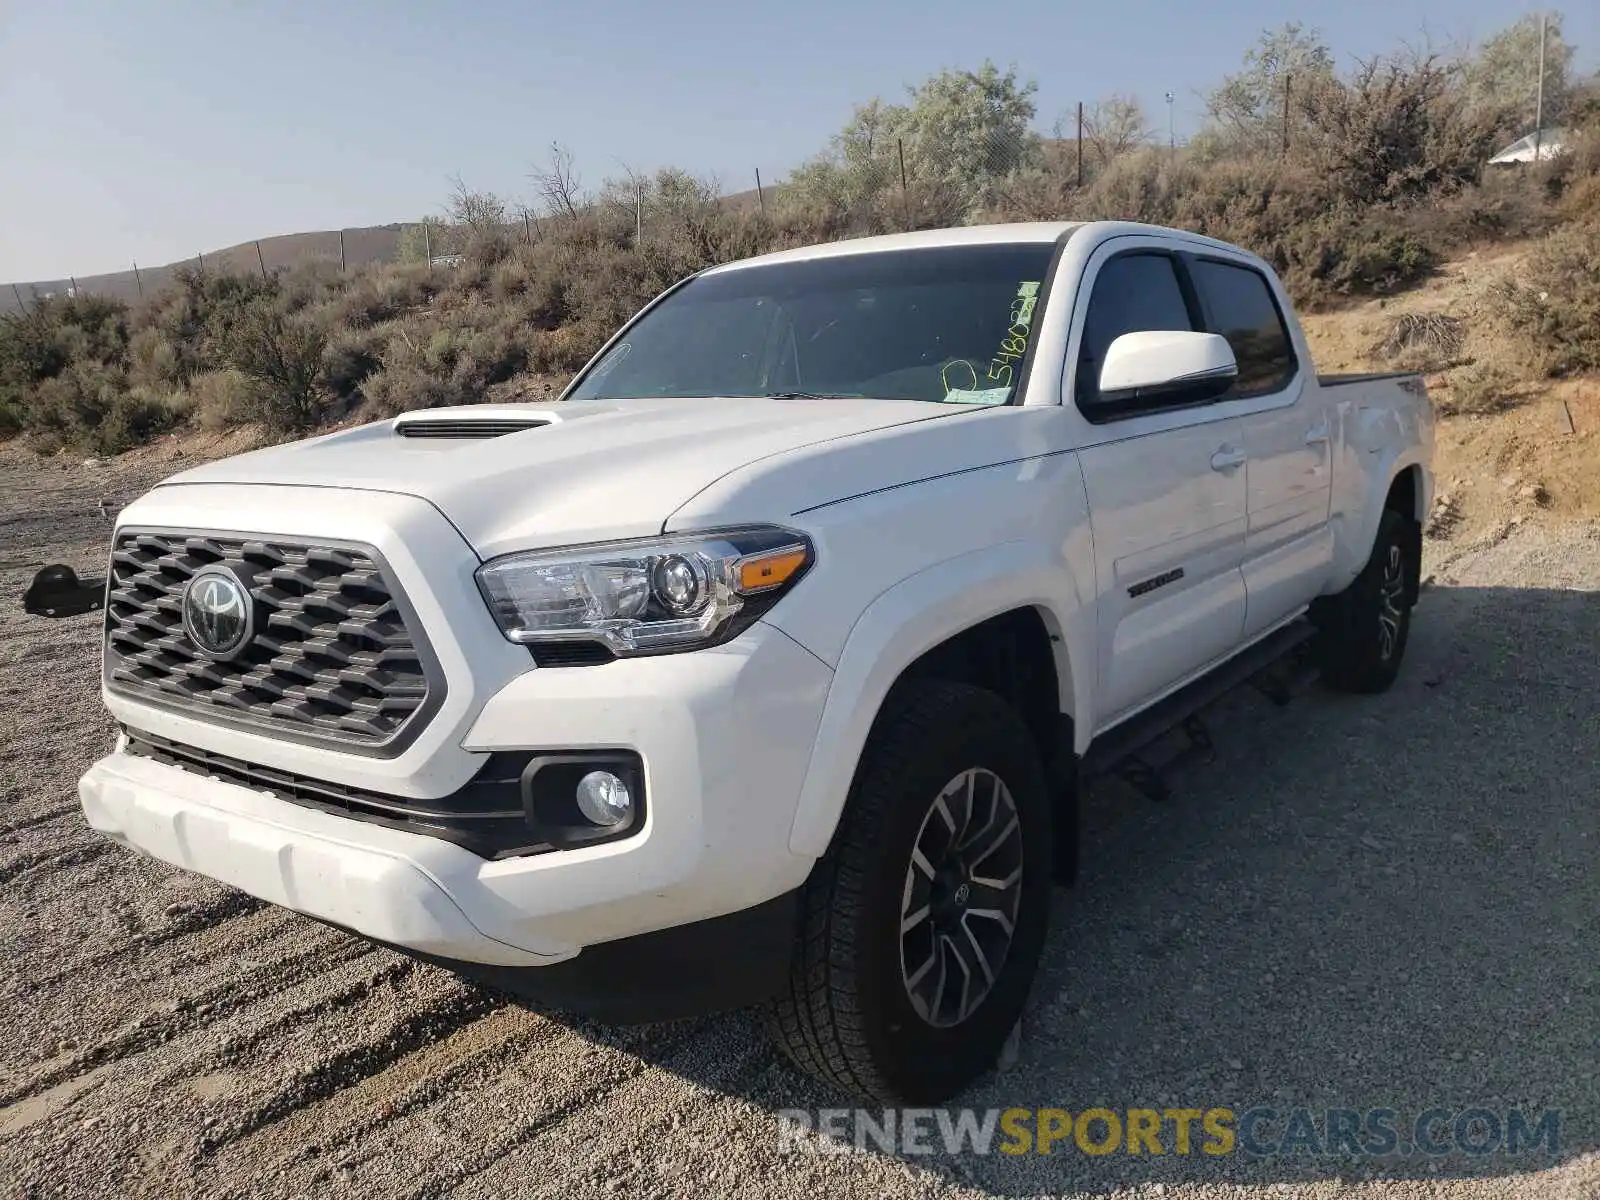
[{"x": 1155, "y": 581}]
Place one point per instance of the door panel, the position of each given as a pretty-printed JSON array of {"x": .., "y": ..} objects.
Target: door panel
[
  {"x": 1288, "y": 547},
  {"x": 1169, "y": 531}
]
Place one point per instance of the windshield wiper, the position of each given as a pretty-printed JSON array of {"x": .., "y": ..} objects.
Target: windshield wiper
[
  {"x": 814, "y": 396},
  {"x": 835, "y": 396}
]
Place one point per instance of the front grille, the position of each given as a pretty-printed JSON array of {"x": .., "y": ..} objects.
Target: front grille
[
  {"x": 485, "y": 817},
  {"x": 333, "y": 659}
]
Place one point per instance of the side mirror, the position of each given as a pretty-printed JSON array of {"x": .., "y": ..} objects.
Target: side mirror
[{"x": 1166, "y": 368}]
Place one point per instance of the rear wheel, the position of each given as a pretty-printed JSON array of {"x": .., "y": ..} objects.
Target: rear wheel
[
  {"x": 923, "y": 923},
  {"x": 1362, "y": 632}
]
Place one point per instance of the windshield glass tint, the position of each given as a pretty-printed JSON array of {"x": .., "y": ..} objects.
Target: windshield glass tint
[{"x": 947, "y": 323}]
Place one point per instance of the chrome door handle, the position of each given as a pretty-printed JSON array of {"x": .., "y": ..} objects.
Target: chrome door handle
[{"x": 1227, "y": 458}]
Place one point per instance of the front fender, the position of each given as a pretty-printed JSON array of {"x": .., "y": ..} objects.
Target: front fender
[{"x": 911, "y": 618}]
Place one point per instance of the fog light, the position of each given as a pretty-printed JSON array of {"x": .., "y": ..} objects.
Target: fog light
[{"x": 603, "y": 798}]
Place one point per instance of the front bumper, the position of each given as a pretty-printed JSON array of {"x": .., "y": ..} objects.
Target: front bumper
[
  {"x": 377, "y": 881},
  {"x": 724, "y": 734}
]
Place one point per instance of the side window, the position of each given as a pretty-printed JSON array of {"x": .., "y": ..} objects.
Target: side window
[
  {"x": 1239, "y": 305},
  {"x": 1132, "y": 293}
]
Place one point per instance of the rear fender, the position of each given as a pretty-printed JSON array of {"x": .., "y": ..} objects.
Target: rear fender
[{"x": 1356, "y": 531}]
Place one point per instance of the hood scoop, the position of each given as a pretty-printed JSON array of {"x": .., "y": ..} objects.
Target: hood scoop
[{"x": 457, "y": 423}]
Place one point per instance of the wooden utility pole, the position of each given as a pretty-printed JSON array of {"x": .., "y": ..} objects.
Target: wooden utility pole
[
  {"x": 427, "y": 246},
  {"x": 73, "y": 279},
  {"x": 761, "y": 196},
  {"x": 1080, "y": 143},
  {"x": 1288, "y": 83},
  {"x": 527, "y": 228},
  {"x": 341, "y": 250},
  {"x": 638, "y": 214},
  {"x": 137, "y": 280},
  {"x": 900, "y": 149},
  {"x": 260, "y": 258},
  {"x": 1538, "y": 111},
  {"x": 18, "y": 295}
]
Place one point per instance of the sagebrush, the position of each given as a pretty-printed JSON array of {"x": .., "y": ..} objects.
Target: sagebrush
[{"x": 1381, "y": 175}]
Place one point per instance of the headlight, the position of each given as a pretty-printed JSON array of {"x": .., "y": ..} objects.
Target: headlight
[{"x": 648, "y": 596}]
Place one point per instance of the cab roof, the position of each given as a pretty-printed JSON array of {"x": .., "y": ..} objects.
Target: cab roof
[{"x": 1003, "y": 233}]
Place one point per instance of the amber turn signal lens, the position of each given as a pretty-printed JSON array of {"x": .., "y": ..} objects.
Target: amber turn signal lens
[{"x": 766, "y": 571}]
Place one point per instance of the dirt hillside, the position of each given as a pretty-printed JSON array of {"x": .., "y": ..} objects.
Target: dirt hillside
[{"x": 1534, "y": 450}]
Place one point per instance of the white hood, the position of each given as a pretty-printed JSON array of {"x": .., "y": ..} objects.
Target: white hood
[{"x": 591, "y": 472}]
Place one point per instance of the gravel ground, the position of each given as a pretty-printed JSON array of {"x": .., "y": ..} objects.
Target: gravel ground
[{"x": 1374, "y": 902}]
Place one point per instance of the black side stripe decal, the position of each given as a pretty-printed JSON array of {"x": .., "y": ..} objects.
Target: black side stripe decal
[{"x": 1151, "y": 584}]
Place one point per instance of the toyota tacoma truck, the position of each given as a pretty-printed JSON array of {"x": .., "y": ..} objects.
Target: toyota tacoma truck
[{"x": 763, "y": 665}]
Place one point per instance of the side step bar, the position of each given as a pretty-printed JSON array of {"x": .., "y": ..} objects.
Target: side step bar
[{"x": 1115, "y": 750}]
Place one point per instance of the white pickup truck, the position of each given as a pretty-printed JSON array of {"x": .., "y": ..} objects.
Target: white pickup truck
[{"x": 764, "y": 664}]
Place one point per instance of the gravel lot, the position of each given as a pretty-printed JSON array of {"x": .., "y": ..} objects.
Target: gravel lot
[{"x": 1384, "y": 902}]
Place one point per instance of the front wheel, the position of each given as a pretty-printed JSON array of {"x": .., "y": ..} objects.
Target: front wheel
[
  {"x": 1362, "y": 632},
  {"x": 923, "y": 923}
]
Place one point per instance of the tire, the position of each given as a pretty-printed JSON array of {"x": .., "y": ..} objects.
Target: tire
[
  {"x": 864, "y": 1009},
  {"x": 1362, "y": 632}
]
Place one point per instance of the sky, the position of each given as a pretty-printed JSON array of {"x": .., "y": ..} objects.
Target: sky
[{"x": 150, "y": 132}]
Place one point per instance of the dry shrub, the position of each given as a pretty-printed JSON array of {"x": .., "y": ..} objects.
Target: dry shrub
[
  {"x": 1505, "y": 207},
  {"x": 406, "y": 386},
  {"x": 1575, "y": 176},
  {"x": 1421, "y": 342},
  {"x": 1325, "y": 249},
  {"x": 385, "y": 293},
  {"x": 1382, "y": 179},
  {"x": 1400, "y": 129},
  {"x": 1036, "y": 194},
  {"x": 91, "y": 406},
  {"x": 281, "y": 357},
  {"x": 452, "y": 357},
  {"x": 138, "y": 415},
  {"x": 929, "y": 204},
  {"x": 610, "y": 284},
  {"x": 1581, "y": 202},
  {"x": 534, "y": 282},
  {"x": 351, "y": 357},
  {"x": 221, "y": 399},
  {"x": 73, "y": 403},
  {"x": 1554, "y": 303},
  {"x": 563, "y": 351},
  {"x": 1482, "y": 387},
  {"x": 153, "y": 360}
]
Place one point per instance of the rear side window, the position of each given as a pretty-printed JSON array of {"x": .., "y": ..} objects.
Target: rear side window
[
  {"x": 1239, "y": 305},
  {"x": 1132, "y": 293}
]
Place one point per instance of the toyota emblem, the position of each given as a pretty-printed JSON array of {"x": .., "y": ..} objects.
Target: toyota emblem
[{"x": 218, "y": 614}]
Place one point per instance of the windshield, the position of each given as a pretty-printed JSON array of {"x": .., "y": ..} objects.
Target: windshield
[{"x": 947, "y": 324}]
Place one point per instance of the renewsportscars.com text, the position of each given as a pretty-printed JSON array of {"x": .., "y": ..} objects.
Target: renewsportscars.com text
[{"x": 1261, "y": 1131}]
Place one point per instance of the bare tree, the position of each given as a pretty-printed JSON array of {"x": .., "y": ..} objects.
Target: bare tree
[
  {"x": 1113, "y": 127},
  {"x": 482, "y": 214},
  {"x": 559, "y": 184},
  {"x": 528, "y": 217}
]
